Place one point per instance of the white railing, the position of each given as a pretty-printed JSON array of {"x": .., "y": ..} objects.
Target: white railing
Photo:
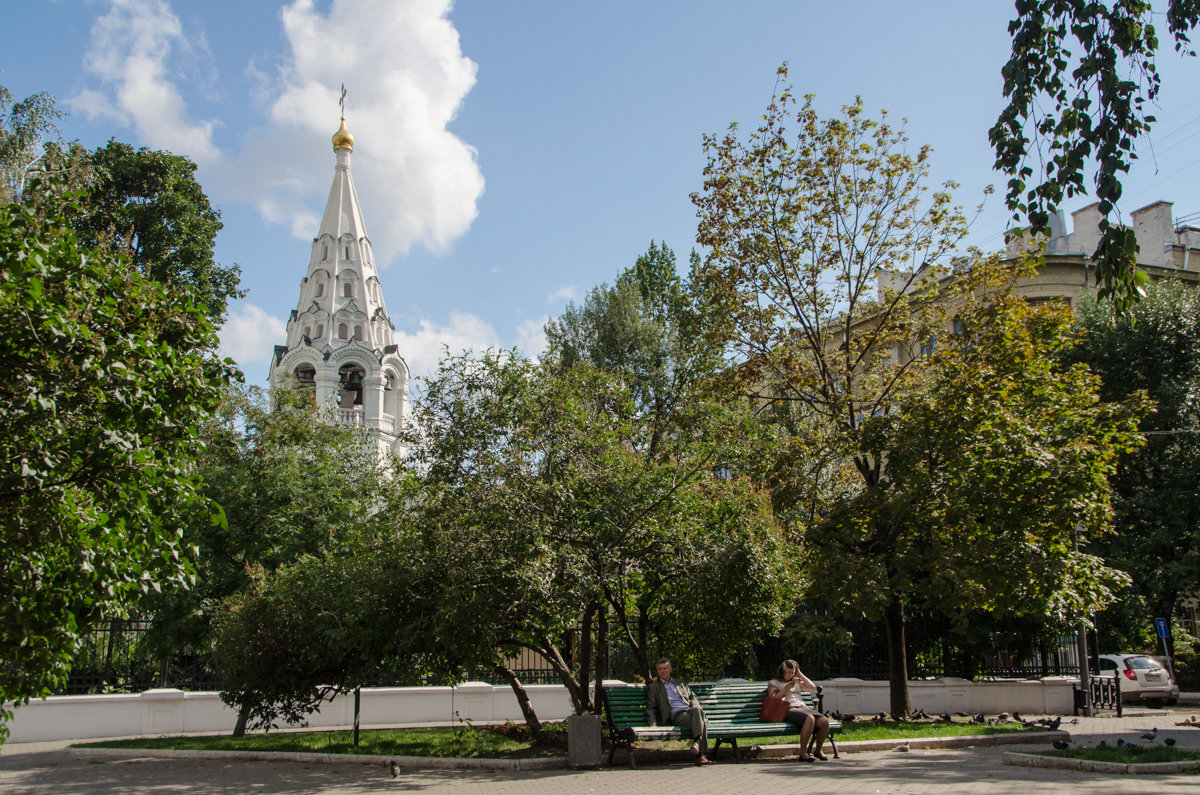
[
  {"x": 387, "y": 424},
  {"x": 352, "y": 417}
]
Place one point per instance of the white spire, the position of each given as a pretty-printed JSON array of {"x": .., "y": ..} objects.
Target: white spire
[
  {"x": 340, "y": 300},
  {"x": 340, "y": 340}
]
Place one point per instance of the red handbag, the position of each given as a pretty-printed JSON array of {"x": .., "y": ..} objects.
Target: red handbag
[{"x": 774, "y": 709}]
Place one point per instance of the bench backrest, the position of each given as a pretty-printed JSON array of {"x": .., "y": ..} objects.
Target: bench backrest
[{"x": 724, "y": 701}]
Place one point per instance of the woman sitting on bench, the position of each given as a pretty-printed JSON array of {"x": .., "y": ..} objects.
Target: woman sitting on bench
[{"x": 788, "y": 684}]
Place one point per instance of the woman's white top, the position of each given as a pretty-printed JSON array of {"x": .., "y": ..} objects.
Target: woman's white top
[{"x": 793, "y": 697}]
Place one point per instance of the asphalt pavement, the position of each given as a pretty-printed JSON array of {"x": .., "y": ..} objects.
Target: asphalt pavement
[{"x": 45, "y": 768}]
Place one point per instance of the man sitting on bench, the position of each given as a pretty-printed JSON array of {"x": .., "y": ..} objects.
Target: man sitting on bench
[{"x": 670, "y": 702}]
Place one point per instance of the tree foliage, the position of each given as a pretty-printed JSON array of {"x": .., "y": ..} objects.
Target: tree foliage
[
  {"x": 289, "y": 484},
  {"x": 543, "y": 513},
  {"x": 25, "y": 126},
  {"x": 1077, "y": 83},
  {"x": 833, "y": 268},
  {"x": 1155, "y": 349},
  {"x": 107, "y": 377},
  {"x": 144, "y": 203},
  {"x": 148, "y": 204}
]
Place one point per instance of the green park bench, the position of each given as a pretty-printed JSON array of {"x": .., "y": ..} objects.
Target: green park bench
[{"x": 732, "y": 709}]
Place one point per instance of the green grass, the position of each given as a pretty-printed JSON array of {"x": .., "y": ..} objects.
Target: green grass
[
  {"x": 480, "y": 742},
  {"x": 853, "y": 731},
  {"x": 458, "y": 744},
  {"x": 1128, "y": 754}
]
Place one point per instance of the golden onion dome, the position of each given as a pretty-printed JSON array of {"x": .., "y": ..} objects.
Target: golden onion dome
[{"x": 343, "y": 138}]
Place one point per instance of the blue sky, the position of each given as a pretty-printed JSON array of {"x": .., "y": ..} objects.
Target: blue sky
[{"x": 511, "y": 155}]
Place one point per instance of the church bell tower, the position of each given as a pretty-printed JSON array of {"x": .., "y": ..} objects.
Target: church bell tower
[{"x": 340, "y": 342}]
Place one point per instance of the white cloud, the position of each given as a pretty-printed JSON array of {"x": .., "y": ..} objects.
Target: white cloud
[
  {"x": 568, "y": 293},
  {"x": 249, "y": 334},
  {"x": 423, "y": 349},
  {"x": 131, "y": 53},
  {"x": 406, "y": 77},
  {"x": 531, "y": 337}
]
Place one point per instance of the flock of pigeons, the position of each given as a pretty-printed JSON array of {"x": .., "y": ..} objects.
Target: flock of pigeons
[
  {"x": 1051, "y": 724},
  {"x": 945, "y": 717}
]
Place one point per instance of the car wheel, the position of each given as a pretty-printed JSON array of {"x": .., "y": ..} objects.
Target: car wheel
[{"x": 1156, "y": 704}]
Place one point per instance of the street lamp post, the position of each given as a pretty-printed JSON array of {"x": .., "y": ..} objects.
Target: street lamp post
[{"x": 1081, "y": 650}]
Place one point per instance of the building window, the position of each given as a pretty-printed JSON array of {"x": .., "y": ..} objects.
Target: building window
[
  {"x": 342, "y": 331},
  {"x": 308, "y": 331},
  {"x": 320, "y": 290},
  {"x": 325, "y": 251},
  {"x": 348, "y": 290},
  {"x": 358, "y": 332},
  {"x": 320, "y": 330}
]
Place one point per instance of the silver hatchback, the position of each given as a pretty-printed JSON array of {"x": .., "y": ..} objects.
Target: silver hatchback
[{"x": 1142, "y": 679}]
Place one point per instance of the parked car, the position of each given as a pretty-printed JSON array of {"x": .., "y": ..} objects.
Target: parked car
[
  {"x": 1142, "y": 679},
  {"x": 1173, "y": 699}
]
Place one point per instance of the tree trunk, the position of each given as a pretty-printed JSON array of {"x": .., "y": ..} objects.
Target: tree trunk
[
  {"x": 644, "y": 650},
  {"x": 576, "y": 688},
  {"x": 585, "y": 656},
  {"x": 357, "y": 711},
  {"x": 897, "y": 657},
  {"x": 239, "y": 729},
  {"x": 601, "y": 655},
  {"x": 531, "y": 718}
]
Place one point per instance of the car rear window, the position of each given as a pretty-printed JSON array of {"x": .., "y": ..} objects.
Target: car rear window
[{"x": 1140, "y": 662}]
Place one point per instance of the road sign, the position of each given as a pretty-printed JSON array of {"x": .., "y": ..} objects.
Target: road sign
[{"x": 1161, "y": 625}]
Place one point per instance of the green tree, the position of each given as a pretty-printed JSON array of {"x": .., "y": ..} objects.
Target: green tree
[
  {"x": 544, "y": 514},
  {"x": 316, "y": 627},
  {"x": 25, "y": 127},
  {"x": 148, "y": 204},
  {"x": 107, "y": 377},
  {"x": 289, "y": 484},
  {"x": 1155, "y": 349},
  {"x": 825, "y": 251},
  {"x": 144, "y": 203},
  {"x": 1080, "y": 76}
]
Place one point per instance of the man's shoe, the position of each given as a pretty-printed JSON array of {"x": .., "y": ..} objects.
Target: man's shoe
[{"x": 701, "y": 759}]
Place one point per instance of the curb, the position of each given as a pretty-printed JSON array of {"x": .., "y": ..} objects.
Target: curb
[
  {"x": 1091, "y": 766},
  {"x": 550, "y": 762},
  {"x": 404, "y": 762},
  {"x": 960, "y": 741}
]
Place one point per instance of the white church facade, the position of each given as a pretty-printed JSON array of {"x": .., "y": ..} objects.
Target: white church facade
[{"x": 340, "y": 341}]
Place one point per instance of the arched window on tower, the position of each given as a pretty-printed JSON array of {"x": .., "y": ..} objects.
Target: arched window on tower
[
  {"x": 347, "y": 251},
  {"x": 342, "y": 331},
  {"x": 391, "y": 395},
  {"x": 350, "y": 381},
  {"x": 319, "y": 290},
  {"x": 308, "y": 332},
  {"x": 324, "y": 251},
  {"x": 348, "y": 290},
  {"x": 320, "y": 331},
  {"x": 305, "y": 375},
  {"x": 358, "y": 333}
]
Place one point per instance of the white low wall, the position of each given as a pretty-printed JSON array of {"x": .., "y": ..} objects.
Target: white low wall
[
  {"x": 170, "y": 711},
  {"x": 1033, "y": 696}
]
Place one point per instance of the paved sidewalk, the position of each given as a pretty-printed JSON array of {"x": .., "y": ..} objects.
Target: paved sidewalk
[{"x": 49, "y": 768}]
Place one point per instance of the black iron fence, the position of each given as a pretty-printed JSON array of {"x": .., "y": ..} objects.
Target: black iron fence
[{"x": 116, "y": 658}]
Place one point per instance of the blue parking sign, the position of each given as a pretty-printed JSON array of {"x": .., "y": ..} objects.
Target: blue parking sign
[{"x": 1161, "y": 625}]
